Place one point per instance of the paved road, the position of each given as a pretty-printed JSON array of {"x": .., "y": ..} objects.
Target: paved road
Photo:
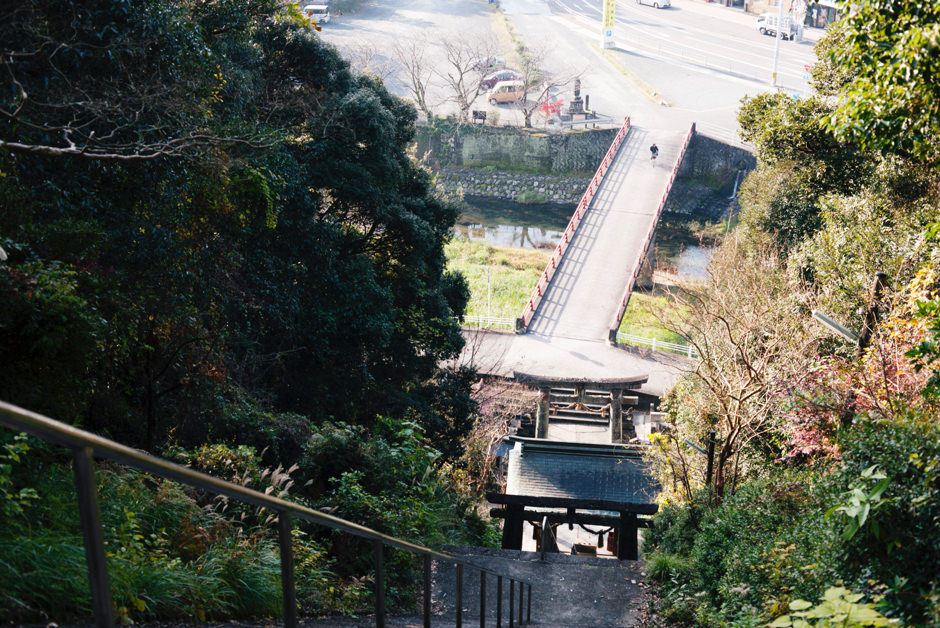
[
  {"x": 699, "y": 58},
  {"x": 585, "y": 292}
]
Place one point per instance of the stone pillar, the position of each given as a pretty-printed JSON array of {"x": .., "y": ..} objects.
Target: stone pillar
[
  {"x": 541, "y": 413},
  {"x": 628, "y": 547},
  {"x": 616, "y": 415}
]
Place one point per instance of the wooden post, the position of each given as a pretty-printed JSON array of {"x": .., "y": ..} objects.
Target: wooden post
[
  {"x": 379, "y": 585},
  {"x": 710, "y": 465},
  {"x": 871, "y": 312},
  {"x": 427, "y": 591},
  {"x": 459, "y": 619},
  {"x": 616, "y": 415},
  {"x": 84, "y": 469},
  {"x": 512, "y": 527},
  {"x": 628, "y": 547},
  {"x": 287, "y": 570},
  {"x": 541, "y": 413}
]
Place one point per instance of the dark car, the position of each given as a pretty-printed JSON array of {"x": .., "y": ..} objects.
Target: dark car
[{"x": 503, "y": 75}]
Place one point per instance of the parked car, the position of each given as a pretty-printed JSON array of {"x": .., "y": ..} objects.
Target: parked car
[
  {"x": 503, "y": 75},
  {"x": 767, "y": 24},
  {"x": 318, "y": 12},
  {"x": 658, "y": 4},
  {"x": 489, "y": 64},
  {"x": 506, "y": 91}
]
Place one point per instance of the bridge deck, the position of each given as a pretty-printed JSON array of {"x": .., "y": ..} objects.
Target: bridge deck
[{"x": 585, "y": 292}]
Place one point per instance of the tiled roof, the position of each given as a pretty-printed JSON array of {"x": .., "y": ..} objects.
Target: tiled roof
[{"x": 602, "y": 472}]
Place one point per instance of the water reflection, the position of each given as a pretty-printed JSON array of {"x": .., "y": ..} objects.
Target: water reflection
[
  {"x": 505, "y": 223},
  {"x": 519, "y": 236},
  {"x": 540, "y": 226}
]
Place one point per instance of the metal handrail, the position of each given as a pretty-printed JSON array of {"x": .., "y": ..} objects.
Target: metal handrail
[
  {"x": 86, "y": 445},
  {"x": 648, "y": 240},
  {"x": 657, "y": 345},
  {"x": 541, "y": 286}
]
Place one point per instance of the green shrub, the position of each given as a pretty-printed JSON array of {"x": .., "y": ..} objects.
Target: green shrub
[
  {"x": 662, "y": 566},
  {"x": 906, "y": 553}
]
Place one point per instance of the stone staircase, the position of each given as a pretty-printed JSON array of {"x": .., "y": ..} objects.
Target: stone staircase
[{"x": 567, "y": 592}]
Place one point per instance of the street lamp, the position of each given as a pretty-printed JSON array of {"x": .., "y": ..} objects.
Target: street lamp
[
  {"x": 862, "y": 338},
  {"x": 843, "y": 331},
  {"x": 777, "y": 44}
]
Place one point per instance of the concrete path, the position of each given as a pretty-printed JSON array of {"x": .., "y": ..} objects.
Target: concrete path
[
  {"x": 585, "y": 292},
  {"x": 503, "y": 353}
]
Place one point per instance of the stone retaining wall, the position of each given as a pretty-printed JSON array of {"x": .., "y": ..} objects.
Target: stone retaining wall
[
  {"x": 532, "y": 188},
  {"x": 515, "y": 148},
  {"x": 715, "y": 163},
  {"x": 457, "y": 160}
]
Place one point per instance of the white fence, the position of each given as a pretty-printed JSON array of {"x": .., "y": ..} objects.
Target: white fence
[
  {"x": 489, "y": 322},
  {"x": 657, "y": 345}
]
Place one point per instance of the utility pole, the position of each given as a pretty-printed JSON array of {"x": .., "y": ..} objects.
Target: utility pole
[{"x": 773, "y": 80}]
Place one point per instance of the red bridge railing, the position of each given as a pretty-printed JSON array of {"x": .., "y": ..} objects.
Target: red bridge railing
[
  {"x": 522, "y": 322},
  {"x": 631, "y": 283}
]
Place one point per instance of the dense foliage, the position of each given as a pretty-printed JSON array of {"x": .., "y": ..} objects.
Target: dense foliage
[
  {"x": 824, "y": 507},
  {"x": 215, "y": 234}
]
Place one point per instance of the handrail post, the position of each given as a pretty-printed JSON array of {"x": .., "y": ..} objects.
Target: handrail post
[
  {"x": 83, "y": 466},
  {"x": 459, "y": 619},
  {"x": 287, "y": 570},
  {"x": 521, "y": 595},
  {"x": 379, "y": 585},
  {"x": 499, "y": 601},
  {"x": 482, "y": 599},
  {"x": 427, "y": 591},
  {"x": 512, "y": 600},
  {"x": 528, "y": 610}
]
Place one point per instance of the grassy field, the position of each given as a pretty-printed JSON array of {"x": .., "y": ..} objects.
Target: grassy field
[
  {"x": 512, "y": 275},
  {"x": 640, "y": 317}
]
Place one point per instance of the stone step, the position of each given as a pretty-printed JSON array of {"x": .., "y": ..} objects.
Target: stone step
[
  {"x": 567, "y": 590},
  {"x": 577, "y": 417}
]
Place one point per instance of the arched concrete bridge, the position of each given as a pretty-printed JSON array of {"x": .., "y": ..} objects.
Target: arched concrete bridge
[{"x": 565, "y": 328}]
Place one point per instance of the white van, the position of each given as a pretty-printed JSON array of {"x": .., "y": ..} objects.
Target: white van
[
  {"x": 506, "y": 91},
  {"x": 658, "y": 4},
  {"x": 318, "y": 12},
  {"x": 767, "y": 25}
]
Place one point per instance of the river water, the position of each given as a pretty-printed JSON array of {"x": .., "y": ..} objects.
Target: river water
[{"x": 541, "y": 225}]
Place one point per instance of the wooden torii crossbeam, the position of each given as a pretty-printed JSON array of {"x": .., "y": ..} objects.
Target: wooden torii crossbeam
[
  {"x": 625, "y": 522},
  {"x": 614, "y": 386}
]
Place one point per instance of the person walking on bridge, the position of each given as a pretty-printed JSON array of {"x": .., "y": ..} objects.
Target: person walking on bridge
[{"x": 654, "y": 153}]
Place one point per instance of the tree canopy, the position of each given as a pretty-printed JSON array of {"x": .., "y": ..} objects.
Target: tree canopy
[
  {"x": 201, "y": 204},
  {"x": 890, "y": 54}
]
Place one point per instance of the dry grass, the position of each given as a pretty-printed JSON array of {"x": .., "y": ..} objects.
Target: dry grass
[{"x": 509, "y": 272}]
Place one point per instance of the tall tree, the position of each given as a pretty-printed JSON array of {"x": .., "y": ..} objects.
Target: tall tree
[{"x": 892, "y": 100}]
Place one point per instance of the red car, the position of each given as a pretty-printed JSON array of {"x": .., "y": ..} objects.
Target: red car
[{"x": 503, "y": 75}]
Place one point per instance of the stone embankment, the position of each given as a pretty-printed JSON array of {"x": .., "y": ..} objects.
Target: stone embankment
[{"x": 523, "y": 188}]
